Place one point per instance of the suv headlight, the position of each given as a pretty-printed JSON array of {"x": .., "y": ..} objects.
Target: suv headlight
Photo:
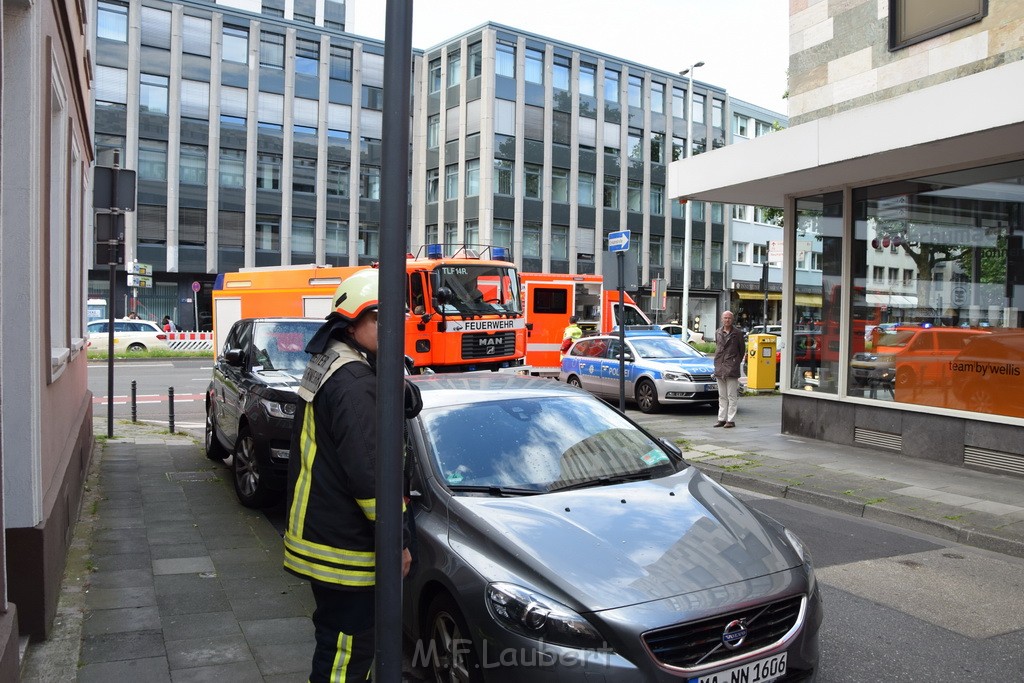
[
  {"x": 276, "y": 409},
  {"x": 539, "y": 617},
  {"x": 677, "y": 376}
]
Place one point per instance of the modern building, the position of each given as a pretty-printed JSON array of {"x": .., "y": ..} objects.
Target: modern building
[
  {"x": 45, "y": 251},
  {"x": 256, "y": 136},
  {"x": 901, "y": 175}
]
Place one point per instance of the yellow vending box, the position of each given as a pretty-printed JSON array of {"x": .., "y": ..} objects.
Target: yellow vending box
[{"x": 761, "y": 362}]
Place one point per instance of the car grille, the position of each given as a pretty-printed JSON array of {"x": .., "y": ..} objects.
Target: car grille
[
  {"x": 699, "y": 644},
  {"x": 703, "y": 378},
  {"x": 488, "y": 345}
]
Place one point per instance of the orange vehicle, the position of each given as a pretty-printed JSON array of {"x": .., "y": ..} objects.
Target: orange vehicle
[
  {"x": 463, "y": 311},
  {"x": 550, "y": 299}
]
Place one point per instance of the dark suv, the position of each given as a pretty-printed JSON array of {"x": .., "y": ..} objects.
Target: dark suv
[{"x": 252, "y": 399}]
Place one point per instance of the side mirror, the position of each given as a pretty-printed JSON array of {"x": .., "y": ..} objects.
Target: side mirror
[
  {"x": 670, "y": 447},
  {"x": 233, "y": 357},
  {"x": 443, "y": 295}
]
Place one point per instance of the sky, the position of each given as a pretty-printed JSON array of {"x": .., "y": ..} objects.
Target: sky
[{"x": 744, "y": 44}]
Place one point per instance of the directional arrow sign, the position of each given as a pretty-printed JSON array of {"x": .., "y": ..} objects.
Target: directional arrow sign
[{"x": 618, "y": 241}]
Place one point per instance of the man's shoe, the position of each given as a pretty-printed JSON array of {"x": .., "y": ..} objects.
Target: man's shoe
[
  {"x": 720, "y": 423},
  {"x": 727, "y": 425}
]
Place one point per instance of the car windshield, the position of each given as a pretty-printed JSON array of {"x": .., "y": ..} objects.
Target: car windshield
[
  {"x": 477, "y": 290},
  {"x": 540, "y": 444},
  {"x": 898, "y": 338},
  {"x": 663, "y": 347},
  {"x": 282, "y": 345}
]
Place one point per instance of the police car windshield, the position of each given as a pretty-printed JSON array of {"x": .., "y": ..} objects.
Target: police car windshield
[
  {"x": 663, "y": 347},
  {"x": 477, "y": 289}
]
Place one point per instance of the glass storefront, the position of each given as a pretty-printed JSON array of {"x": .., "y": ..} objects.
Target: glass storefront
[{"x": 937, "y": 283}]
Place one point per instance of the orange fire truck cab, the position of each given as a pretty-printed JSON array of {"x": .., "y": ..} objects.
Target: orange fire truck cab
[
  {"x": 550, "y": 299},
  {"x": 463, "y": 311}
]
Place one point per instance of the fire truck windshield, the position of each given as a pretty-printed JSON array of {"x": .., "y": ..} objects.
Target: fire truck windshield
[{"x": 467, "y": 289}]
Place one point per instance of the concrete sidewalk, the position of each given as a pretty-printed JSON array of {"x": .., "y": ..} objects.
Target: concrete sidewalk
[{"x": 170, "y": 579}]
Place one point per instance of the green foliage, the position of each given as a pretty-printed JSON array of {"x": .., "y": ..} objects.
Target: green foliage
[{"x": 152, "y": 353}]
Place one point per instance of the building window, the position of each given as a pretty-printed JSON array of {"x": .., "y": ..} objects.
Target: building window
[
  {"x": 268, "y": 233},
  {"x": 559, "y": 242},
  {"x": 588, "y": 80},
  {"x": 657, "y": 245},
  {"x": 679, "y": 103},
  {"x": 716, "y": 113},
  {"x": 432, "y": 184},
  {"x": 271, "y": 50},
  {"x": 501, "y": 234},
  {"x": 561, "y": 128},
  {"x": 534, "y": 67},
  {"x": 697, "y": 255},
  {"x": 739, "y": 125},
  {"x": 235, "y": 45},
  {"x": 341, "y": 63},
  {"x": 474, "y": 65},
  {"x": 657, "y": 200},
  {"x": 532, "y": 185},
  {"x": 336, "y": 246},
  {"x": 472, "y": 236},
  {"x": 303, "y": 236},
  {"x": 433, "y": 131},
  {"x": 505, "y": 60},
  {"x": 307, "y": 57},
  {"x": 152, "y": 160},
  {"x": 369, "y": 182},
  {"x": 153, "y": 94},
  {"x": 677, "y": 252},
  {"x": 913, "y": 22},
  {"x": 304, "y": 175},
  {"x": 611, "y": 85},
  {"x": 716, "y": 256},
  {"x": 739, "y": 212},
  {"x": 451, "y": 181},
  {"x": 739, "y": 254},
  {"x": 369, "y": 239},
  {"x": 763, "y": 128},
  {"x": 698, "y": 108},
  {"x": 657, "y": 97},
  {"x": 611, "y": 192},
  {"x": 268, "y": 171},
  {"x": 473, "y": 178},
  {"x": 717, "y": 213},
  {"x": 635, "y": 196},
  {"x": 657, "y": 148},
  {"x": 434, "y": 75},
  {"x": 586, "y": 186},
  {"x": 560, "y": 185},
  {"x": 373, "y": 98},
  {"x": 760, "y": 254},
  {"x": 560, "y": 68},
  {"x": 533, "y": 122},
  {"x": 532, "y": 236},
  {"x": 454, "y": 67},
  {"x": 678, "y": 148},
  {"x": 635, "y": 144},
  {"x": 503, "y": 177},
  {"x": 112, "y": 21},
  {"x": 192, "y": 163},
  {"x": 635, "y": 91},
  {"x": 232, "y": 167}
]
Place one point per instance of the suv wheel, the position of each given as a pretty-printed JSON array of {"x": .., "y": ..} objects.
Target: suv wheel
[
  {"x": 214, "y": 449},
  {"x": 250, "y": 485}
]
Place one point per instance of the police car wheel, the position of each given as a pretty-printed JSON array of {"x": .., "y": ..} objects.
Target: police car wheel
[
  {"x": 574, "y": 381},
  {"x": 647, "y": 396}
]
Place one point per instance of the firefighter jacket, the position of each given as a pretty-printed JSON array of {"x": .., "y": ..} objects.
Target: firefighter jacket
[{"x": 329, "y": 537}]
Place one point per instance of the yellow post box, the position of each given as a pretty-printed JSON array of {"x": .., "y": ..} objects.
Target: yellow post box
[{"x": 761, "y": 362}]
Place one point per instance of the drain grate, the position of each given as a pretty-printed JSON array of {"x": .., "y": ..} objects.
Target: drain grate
[
  {"x": 993, "y": 460},
  {"x": 201, "y": 475},
  {"x": 869, "y": 437}
]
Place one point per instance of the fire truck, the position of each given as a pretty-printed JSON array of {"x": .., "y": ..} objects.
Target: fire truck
[
  {"x": 550, "y": 299},
  {"x": 463, "y": 311}
]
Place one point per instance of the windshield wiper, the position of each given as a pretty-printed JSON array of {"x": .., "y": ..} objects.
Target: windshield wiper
[
  {"x": 642, "y": 475},
  {"x": 495, "y": 490}
]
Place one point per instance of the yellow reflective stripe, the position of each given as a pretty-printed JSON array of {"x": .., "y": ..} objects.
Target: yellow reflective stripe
[
  {"x": 369, "y": 506},
  {"x": 344, "y": 577},
  {"x": 307, "y": 451},
  {"x": 339, "y": 669},
  {"x": 326, "y": 553}
]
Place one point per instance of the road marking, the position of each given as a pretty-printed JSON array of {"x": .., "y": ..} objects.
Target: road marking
[{"x": 149, "y": 398}]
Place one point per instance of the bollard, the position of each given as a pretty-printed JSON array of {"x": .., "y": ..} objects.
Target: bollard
[
  {"x": 170, "y": 408},
  {"x": 135, "y": 407}
]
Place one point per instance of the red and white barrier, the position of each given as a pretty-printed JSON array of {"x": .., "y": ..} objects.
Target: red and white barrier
[{"x": 190, "y": 341}]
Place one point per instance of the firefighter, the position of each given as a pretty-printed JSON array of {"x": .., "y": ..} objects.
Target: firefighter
[
  {"x": 329, "y": 537},
  {"x": 571, "y": 333}
]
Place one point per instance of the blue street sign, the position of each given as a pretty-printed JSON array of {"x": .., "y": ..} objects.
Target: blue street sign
[{"x": 618, "y": 241}]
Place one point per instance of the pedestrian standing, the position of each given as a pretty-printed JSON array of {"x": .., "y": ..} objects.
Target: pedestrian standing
[
  {"x": 571, "y": 333},
  {"x": 329, "y": 536},
  {"x": 729, "y": 351},
  {"x": 169, "y": 325}
]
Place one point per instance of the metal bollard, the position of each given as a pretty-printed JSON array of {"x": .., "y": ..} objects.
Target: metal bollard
[
  {"x": 170, "y": 408},
  {"x": 135, "y": 407}
]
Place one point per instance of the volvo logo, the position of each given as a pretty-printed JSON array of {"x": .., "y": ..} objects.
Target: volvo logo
[{"x": 734, "y": 634}]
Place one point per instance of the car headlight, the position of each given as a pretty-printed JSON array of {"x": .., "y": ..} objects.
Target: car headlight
[
  {"x": 677, "y": 376},
  {"x": 276, "y": 409},
  {"x": 539, "y": 617}
]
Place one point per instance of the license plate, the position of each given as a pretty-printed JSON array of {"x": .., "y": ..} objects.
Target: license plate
[
  {"x": 710, "y": 387},
  {"x": 761, "y": 671}
]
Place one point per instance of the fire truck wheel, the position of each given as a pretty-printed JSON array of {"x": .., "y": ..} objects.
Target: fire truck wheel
[{"x": 647, "y": 396}]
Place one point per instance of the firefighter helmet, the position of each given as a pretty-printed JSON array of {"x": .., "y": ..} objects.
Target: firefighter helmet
[{"x": 357, "y": 294}]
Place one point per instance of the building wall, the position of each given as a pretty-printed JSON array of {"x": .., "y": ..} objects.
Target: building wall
[
  {"x": 45, "y": 196},
  {"x": 839, "y": 56}
]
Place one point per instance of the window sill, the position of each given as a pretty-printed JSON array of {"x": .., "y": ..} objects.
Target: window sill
[{"x": 58, "y": 361}]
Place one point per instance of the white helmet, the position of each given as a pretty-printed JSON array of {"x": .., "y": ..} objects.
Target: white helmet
[{"x": 357, "y": 294}]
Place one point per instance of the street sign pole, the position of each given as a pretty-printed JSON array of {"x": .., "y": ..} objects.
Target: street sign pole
[
  {"x": 621, "y": 258},
  {"x": 111, "y": 263}
]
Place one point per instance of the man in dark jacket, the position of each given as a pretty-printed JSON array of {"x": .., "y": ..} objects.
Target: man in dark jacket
[
  {"x": 329, "y": 538},
  {"x": 729, "y": 351}
]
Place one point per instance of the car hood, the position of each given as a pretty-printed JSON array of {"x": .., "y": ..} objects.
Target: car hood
[
  {"x": 694, "y": 365},
  {"x": 279, "y": 379},
  {"x": 613, "y": 546}
]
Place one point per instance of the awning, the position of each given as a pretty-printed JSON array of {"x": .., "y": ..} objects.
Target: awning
[
  {"x": 807, "y": 299},
  {"x": 897, "y": 300},
  {"x": 759, "y": 296},
  {"x": 865, "y": 145}
]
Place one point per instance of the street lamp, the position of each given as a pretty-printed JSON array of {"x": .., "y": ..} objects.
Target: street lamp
[{"x": 688, "y": 233}]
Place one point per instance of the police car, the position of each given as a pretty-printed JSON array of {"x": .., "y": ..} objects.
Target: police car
[{"x": 659, "y": 369}]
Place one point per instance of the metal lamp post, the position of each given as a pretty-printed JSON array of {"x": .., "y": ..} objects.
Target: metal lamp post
[{"x": 688, "y": 230}]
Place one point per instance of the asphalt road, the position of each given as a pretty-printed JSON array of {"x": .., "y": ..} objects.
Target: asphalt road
[{"x": 899, "y": 606}]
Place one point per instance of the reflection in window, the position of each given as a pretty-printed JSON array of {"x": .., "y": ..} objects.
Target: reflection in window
[
  {"x": 534, "y": 67},
  {"x": 588, "y": 78},
  {"x": 235, "y": 45},
  {"x": 112, "y": 21},
  {"x": 505, "y": 60},
  {"x": 532, "y": 181}
]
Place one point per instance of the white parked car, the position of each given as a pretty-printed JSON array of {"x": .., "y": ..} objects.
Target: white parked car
[
  {"x": 676, "y": 330},
  {"x": 129, "y": 335}
]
